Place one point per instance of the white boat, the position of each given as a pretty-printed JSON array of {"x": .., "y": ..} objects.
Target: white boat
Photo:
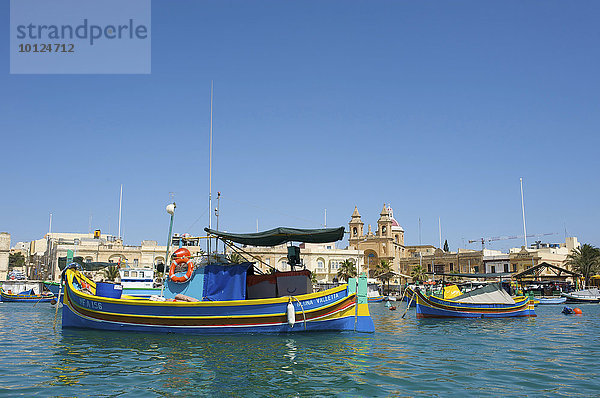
[
  {"x": 374, "y": 291},
  {"x": 138, "y": 281},
  {"x": 583, "y": 296}
]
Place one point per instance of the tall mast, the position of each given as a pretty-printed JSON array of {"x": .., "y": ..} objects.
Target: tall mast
[
  {"x": 49, "y": 247},
  {"x": 440, "y": 230},
  {"x": 120, "y": 204},
  {"x": 210, "y": 166},
  {"x": 523, "y": 210}
]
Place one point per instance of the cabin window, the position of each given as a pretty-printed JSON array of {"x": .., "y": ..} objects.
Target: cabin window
[
  {"x": 125, "y": 273},
  {"x": 134, "y": 274}
]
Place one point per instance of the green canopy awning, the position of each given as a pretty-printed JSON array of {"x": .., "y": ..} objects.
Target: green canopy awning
[{"x": 278, "y": 236}]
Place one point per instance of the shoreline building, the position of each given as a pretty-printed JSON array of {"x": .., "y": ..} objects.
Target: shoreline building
[
  {"x": 385, "y": 244},
  {"x": 322, "y": 259},
  {"x": 46, "y": 253},
  {"x": 4, "y": 254}
]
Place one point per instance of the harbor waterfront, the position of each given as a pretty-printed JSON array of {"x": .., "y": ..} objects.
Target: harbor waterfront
[{"x": 552, "y": 354}]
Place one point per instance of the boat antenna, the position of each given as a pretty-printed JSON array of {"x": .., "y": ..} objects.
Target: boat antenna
[
  {"x": 171, "y": 211},
  {"x": 210, "y": 169}
]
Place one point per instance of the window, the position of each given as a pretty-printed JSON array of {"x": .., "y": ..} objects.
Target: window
[
  {"x": 428, "y": 267},
  {"x": 135, "y": 262},
  {"x": 125, "y": 273},
  {"x": 354, "y": 231},
  {"x": 439, "y": 268},
  {"x": 134, "y": 274},
  {"x": 514, "y": 268},
  {"x": 335, "y": 265},
  {"x": 493, "y": 269},
  {"x": 329, "y": 247},
  {"x": 320, "y": 264},
  {"x": 383, "y": 230},
  {"x": 283, "y": 265},
  {"x": 451, "y": 267},
  {"x": 505, "y": 267}
]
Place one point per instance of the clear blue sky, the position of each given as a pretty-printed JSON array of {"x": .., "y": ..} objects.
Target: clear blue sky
[{"x": 435, "y": 107}]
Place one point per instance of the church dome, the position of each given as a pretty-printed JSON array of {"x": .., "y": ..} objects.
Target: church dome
[{"x": 395, "y": 225}]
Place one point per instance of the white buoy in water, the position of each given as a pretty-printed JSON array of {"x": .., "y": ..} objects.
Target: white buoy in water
[{"x": 291, "y": 314}]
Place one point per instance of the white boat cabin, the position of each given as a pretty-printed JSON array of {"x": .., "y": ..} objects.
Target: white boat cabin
[{"x": 141, "y": 278}]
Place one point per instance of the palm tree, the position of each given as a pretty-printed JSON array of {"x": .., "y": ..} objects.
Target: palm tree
[
  {"x": 383, "y": 272},
  {"x": 313, "y": 278},
  {"x": 235, "y": 258},
  {"x": 418, "y": 274},
  {"x": 585, "y": 260},
  {"x": 111, "y": 273},
  {"x": 347, "y": 270}
]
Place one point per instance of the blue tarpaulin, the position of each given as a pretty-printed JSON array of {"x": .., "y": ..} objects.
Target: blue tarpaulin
[
  {"x": 29, "y": 292},
  {"x": 225, "y": 282}
]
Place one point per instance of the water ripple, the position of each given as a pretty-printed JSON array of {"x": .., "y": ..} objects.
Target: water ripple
[{"x": 551, "y": 355}]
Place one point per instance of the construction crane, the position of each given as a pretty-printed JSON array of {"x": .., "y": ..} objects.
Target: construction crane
[{"x": 495, "y": 238}]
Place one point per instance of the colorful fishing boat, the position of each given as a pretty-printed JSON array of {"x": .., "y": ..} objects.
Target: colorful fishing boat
[
  {"x": 488, "y": 302},
  {"x": 552, "y": 300},
  {"x": 27, "y": 296},
  {"x": 373, "y": 291},
  {"x": 224, "y": 298}
]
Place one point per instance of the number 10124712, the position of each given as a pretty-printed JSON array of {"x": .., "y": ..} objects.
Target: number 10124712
[{"x": 46, "y": 48}]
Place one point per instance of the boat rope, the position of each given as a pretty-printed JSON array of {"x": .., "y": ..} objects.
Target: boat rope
[
  {"x": 238, "y": 250},
  {"x": 303, "y": 313},
  {"x": 36, "y": 303},
  {"x": 57, "y": 302},
  {"x": 409, "y": 303}
]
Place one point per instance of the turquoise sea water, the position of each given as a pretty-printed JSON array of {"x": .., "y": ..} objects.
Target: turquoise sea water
[{"x": 551, "y": 355}]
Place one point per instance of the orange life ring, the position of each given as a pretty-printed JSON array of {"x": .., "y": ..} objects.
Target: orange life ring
[{"x": 182, "y": 256}]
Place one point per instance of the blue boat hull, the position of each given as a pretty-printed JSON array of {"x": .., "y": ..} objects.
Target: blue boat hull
[
  {"x": 548, "y": 301},
  {"x": 33, "y": 298}
]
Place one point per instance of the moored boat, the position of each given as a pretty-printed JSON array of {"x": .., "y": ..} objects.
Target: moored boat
[
  {"x": 373, "y": 294},
  {"x": 487, "y": 302},
  {"x": 226, "y": 298},
  {"x": 583, "y": 296},
  {"x": 27, "y": 296},
  {"x": 552, "y": 300},
  {"x": 138, "y": 281}
]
